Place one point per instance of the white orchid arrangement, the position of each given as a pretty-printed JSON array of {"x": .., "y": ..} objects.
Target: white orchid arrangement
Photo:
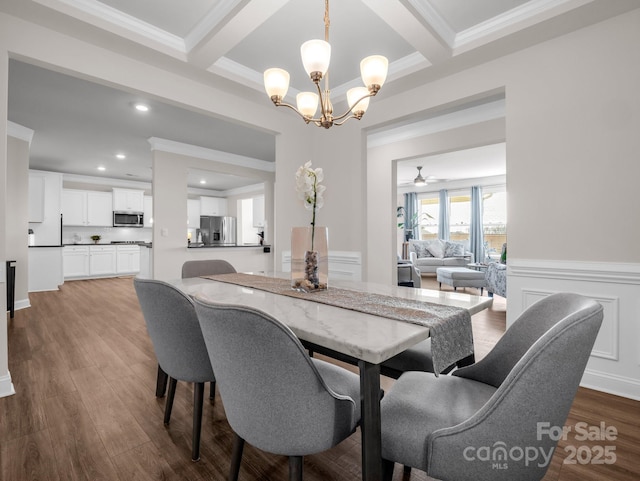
[{"x": 310, "y": 191}]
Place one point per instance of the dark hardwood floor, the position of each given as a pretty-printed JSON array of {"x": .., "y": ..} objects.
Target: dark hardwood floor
[{"x": 84, "y": 371}]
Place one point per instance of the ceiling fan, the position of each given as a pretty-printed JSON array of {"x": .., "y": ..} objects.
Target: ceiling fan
[{"x": 420, "y": 180}]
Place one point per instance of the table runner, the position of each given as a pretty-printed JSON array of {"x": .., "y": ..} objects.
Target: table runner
[{"x": 450, "y": 327}]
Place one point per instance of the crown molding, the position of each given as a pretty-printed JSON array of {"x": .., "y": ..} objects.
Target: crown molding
[
  {"x": 209, "y": 22},
  {"x": 106, "y": 181},
  {"x": 180, "y": 148},
  {"x": 19, "y": 132},
  {"x": 480, "y": 113},
  {"x": 102, "y": 16},
  {"x": 533, "y": 12},
  {"x": 434, "y": 20}
]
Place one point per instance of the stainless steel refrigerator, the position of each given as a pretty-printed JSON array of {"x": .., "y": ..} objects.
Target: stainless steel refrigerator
[{"x": 218, "y": 230}]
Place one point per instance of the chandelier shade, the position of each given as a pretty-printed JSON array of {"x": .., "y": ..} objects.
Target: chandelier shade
[
  {"x": 307, "y": 103},
  {"x": 276, "y": 82},
  {"x": 316, "y": 56},
  {"x": 358, "y": 100},
  {"x": 373, "y": 70}
]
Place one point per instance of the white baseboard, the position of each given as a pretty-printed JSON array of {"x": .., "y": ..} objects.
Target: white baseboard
[
  {"x": 22, "y": 304},
  {"x": 6, "y": 386},
  {"x": 618, "y": 385}
]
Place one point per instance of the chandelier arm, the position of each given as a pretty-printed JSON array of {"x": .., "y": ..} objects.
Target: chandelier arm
[
  {"x": 292, "y": 107},
  {"x": 349, "y": 111},
  {"x": 350, "y": 117},
  {"x": 308, "y": 120}
]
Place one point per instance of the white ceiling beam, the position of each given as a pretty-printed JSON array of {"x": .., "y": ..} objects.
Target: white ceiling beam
[
  {"x": 244, "y": 19},
  {"x": 405, "y": 23}
]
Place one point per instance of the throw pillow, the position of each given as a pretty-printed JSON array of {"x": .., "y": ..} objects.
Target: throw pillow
[
  {"x": 453, "y": 249},
  {"x": 436, "y": 248},
  {"x": 421, "y": 249},
  {"x": 424, "y": 250}
]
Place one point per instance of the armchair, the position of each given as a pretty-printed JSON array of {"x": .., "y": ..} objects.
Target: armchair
[
  {"x": 496, "y": 275},
  {"x": 530, "y": 377},
  {"x": 496, "y": 279},
  {"x": 408, "y": 274}
]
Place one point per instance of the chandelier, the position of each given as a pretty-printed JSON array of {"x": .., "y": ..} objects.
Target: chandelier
[{"x": 316, "y": 55}]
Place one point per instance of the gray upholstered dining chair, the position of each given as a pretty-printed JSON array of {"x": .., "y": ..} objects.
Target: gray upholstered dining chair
[
  {"x": 196, "y": 268},
  {"x": 478, "y": 423},
  {"x": 276, "y": 397},
  {"x": 174, "y": 329},
  {"x": 206, "y": 267}
]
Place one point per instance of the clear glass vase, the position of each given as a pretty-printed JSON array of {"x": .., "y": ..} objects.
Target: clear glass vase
[{"x": 309, "y": 259}]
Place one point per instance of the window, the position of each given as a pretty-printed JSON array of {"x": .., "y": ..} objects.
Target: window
[
  {"x": 459, "y": 216},
  {"x": 494, "y": 216},
  {"x": 494, "y": 219},
  {"x": 429, "y": 205}
]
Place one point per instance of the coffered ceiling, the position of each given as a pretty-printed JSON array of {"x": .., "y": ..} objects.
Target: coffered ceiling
[{"x": 233, "y": 41}]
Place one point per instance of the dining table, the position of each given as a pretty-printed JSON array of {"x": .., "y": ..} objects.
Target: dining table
[{"x": 348, "y": 330}]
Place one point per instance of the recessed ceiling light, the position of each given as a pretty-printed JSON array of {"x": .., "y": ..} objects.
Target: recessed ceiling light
[
  {"x": 203, "y": 181},
  {"x": 142, "y": 108},
  {"x": 101, "y": 168},
  {"x": 121, "y": 156}
]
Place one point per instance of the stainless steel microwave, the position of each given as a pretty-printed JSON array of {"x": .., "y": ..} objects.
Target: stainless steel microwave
[{"x": 128, "y": 219}]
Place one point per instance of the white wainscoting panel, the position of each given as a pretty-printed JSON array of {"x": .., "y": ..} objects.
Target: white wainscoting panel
[
  {"x": 615, "y": 358},
  {"x": 606, "y": 345},
  {"x": 344, "y": 265}
]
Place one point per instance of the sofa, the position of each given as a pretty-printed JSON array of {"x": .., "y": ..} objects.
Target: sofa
[{"x": 428, "y": 255}]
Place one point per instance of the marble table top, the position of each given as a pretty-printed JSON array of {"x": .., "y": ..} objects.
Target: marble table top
[{"x": 362, "y": 336}]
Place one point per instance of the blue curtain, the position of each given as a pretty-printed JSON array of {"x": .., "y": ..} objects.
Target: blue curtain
[
  {"x": 476, "y": 235},
  {"x": 411, "y": 213},
  {"x": 443, "y": 221}
]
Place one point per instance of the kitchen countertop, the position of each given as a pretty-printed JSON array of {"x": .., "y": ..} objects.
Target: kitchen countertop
[
  {"x": 142, "y": 244},
  {"x": 195, "y": 245}
]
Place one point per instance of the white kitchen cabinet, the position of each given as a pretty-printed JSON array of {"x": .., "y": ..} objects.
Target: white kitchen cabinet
[
  {"x": 86, "y": 208},
  {"x": 99, "y": 209},
  {"x": 102, "y": 260},
  {"x": 36, "y": 197},
  {"x": 128, "y": 200},
  {"x": 193, "y": 213},
  {"x": 213, "y": 206},
  {"x": 148, "y": 211},
  {"x": 74, "y": 207},
  {"x": 75, "y": 261},
  {"x": 127, "y": 259}
]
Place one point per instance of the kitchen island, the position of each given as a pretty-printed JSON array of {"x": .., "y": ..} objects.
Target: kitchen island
[
  {"x": 199, "y": 245},
  {"x": 45, "y": 268},
  {"x": 245, "y": 258}
]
